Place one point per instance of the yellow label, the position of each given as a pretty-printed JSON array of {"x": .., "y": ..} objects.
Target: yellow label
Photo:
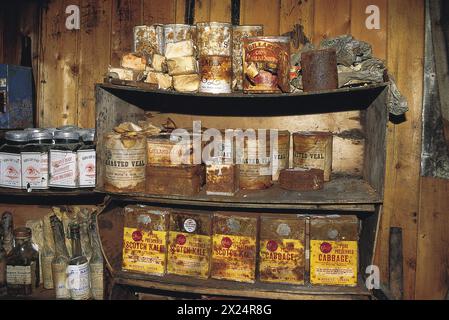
[
  {"x": 234, "y": 258},
  {"x": 282, "y": 261},
  {"x": 333, "y": 262},
  {"x": 189, "y": 254},
  {"x": 144, "y": 251}
]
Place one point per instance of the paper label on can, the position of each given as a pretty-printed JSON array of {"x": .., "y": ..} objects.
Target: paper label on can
[
  {"x": 333, "y": 262},
  {"x": 190, "y": 225},
  {"x": 86, "y": 168},
  {"x": 281, "y": 261},
  {"x": 20, "y": 275},
  {"x": 78, "y": 281},
  {"x": 11, "y": 170},
  {"x": 63, "y": 169},
  {"x": 216, "y": 74},
  {"x": 144, "y": 251},
  {"x": 60, "y": 280},
  {"x": 96, "y": 280},
  {"x": 35, "y": 170},
  {"x": 189, "y": 254},
  {"x": 125, "y": 167},
  {"x": 233, "y": 258},
  {"x": 46, "y": 271}
]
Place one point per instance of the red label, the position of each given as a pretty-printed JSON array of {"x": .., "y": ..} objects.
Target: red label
[
  {"x": 137, "y": 235},
  {"x": 226, "y": 242},
  {"x": 326, "y": 247},
  {"x": 181, "y": 239},
  {"x": 272, "y": 245}
]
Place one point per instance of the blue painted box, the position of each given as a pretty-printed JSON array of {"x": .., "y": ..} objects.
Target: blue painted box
[{"x": 16, "y": 97}]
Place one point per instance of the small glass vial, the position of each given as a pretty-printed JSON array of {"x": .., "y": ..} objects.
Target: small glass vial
[
  {"x": 63, "y": 160},
  {"x": 22, "y": 266},
  {"x": 34, "y": 158},
  {"x": 10, "y": 159},
  {"x": 87, "y": 161},
  {"x": 78, "y": 271}
]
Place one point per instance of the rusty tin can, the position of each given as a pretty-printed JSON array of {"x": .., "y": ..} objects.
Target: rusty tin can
[
  {"x": 282, "y": 254},
  {"x": 215, "y": 74},
  {"x": 214, "y": 39},
  {"x": 125, "y": 163},
  {"x": 313, "y": 150},
  {"x": 238, "y": 33},
  {"x": 169, "y": 150},
  {"x": 222, "y": 179},
  {"x": 234, "y": 247},
  {"x": 334, "y": 253},
  {"x": 190, "y": 244},
  {"x": 301, "y": 179},
  {"x": 266, "y": 64},
  {"x": 281, "y": 154},
  {"x": 319, "y": 70},
  {"x": 149, "y": 40},
  {"x": 183, "y": 180},
  {"x": 145, "y": 237},
  {"x": 179, "y": 32}
]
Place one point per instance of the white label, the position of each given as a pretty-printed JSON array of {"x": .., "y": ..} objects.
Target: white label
[
  {"x": 86, "y": 168},
  {"x": 35, "y": 170},
  {"x": 190, "y": 225},
  {"x": 63, "y": 169},
  {"x": 78, "y": 281},
  {"x": 96, "y": 270},
  {"x": 18, "y": 275},
  {"x": 215, "y": 86},
  {"x": 11, "y": 170}
]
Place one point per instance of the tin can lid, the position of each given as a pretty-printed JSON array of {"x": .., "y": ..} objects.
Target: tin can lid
[
  {"x": 181, "y": 25},
  {"x": 215, "y": 24},
  {"x": 88, "y": 136},
  {"x": 248, "y": 26},
  {"x": 82, "y": 132},
  {"x": 66, "y": 135},
  {"x": 69, "y": 127},
  {"x": 17, "y": 136},
  {"x": 22, "y": 233},
  {"x": 43, "y": 135},
  {"x": 51, "y": 130},
  {"x": 270, "y": 39}
]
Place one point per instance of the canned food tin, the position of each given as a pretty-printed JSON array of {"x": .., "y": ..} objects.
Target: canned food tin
[
  {"x": 179, "y": 32},
  {"x": 238, "y": 33},
  {"x": 214, "y": 39},
  {"x": 281, "y": 154},
  {"x": 266, "y": 64},
  {"x": 216, "y": 74},
  {"x": 149, "y": 40}
]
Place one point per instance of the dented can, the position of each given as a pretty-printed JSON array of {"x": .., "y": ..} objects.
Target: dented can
[
  {"x": 216, "y": 74},
  {"x": 190, "y": 244},
  {"x": 149, "y": 40},
  {"x": 313, "y": 150},
  {"x": 282, "y": 254},
  {"x": 214, "y": 39},
  {"x": 234, "y": 247},
  {"x": 266, "y": 64},
  {"x": 179, "y": 32},
  {"x": 238, "y": 33}
]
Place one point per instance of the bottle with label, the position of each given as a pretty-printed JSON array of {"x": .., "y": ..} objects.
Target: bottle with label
[
  {"x": 60, "y": 261},
  {"x": 62, "y": 160},
  {"x": 34, "y": 159},
  {"x": 47, "y": 253},
  {"x": 7, "y": 226},
  {"x": 3, "y": 290},
  {"x": 96, "y": 262},
  {"x": 22, "y": 266},
  {"x": 87, "y": 161},
  {"x": 83, "y": 217},
  {"x": 10, "y": 159},
  {"x": 78, "y": 271}
]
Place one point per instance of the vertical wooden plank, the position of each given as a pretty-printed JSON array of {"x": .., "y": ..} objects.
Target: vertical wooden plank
[
  {"x": 125, "y": 15},
  {"x": 59, "y": 68},
  {"x": 180, "y": 11},
  {"x": 220, "y": 10},
  {"x": 266, "y": 12},
  {"x": 94, "y": 51},
  {"x": 297, "y": 12},
  {"x": 2, "y": 31},
  {"x": 332, "y": 18},
  {"x": 159, "y": 11},
  {"x": 202, "y": 11}
]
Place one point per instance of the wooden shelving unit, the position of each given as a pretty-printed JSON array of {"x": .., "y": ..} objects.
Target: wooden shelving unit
[{"x": 360, "y": 194}]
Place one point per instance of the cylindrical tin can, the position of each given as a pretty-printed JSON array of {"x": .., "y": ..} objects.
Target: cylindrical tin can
[
  {"x": 216, "y": 74},
  {"x": 149, "y": 40},
  {"x": 238, "y": 33},
  {"x": 179, "y": 32},
  {"x": 125, "y": 163},
  {"x": 214, "y": 39},
  {"x": 266, "y": 64},
  {"x": 281, "y": 155},
  {"x": 313, "y": 150},
  {"x": 319, "y": 70}
]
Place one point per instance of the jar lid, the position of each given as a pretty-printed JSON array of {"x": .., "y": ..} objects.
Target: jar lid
[
  {"x": 68, "y": 128},
  {"x": 17, "y": 136},
  {"x": 66, "y": 135},
  {"x": 32, "y": 130},
  {"x": 22, "y": 233},
  {"x": 88, "y": 136},
  {"x": 51, "y": 130},
  {"x": 44, "y": 135}
]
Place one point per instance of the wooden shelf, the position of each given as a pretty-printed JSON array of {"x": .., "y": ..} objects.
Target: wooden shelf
[
  {"x": 351, "y": 194},
  {"x": 48, "y": 192},
  {"x": 39, "y": 294}
]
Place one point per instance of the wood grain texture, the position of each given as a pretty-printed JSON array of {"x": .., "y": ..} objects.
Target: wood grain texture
[
  {"x": 202, "y": 11},
  {"x": 332, "y": 17},
  {"x": 180, "y": 11},
  {"x": 266, "y": 12},
  {"x": 159, "y": 11},
  {"x": 220, "y": 10},
  {"x": 297, "y": 12}
]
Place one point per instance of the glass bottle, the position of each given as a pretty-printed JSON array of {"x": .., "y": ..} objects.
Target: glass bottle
[
  {"x": 87, "y": 161},
  {"x": 60, "y": 261},
  {"x": 63, "y": 169},
  {"x": 22, "y": 265},
  {"x": 96, "y": 262},
  {"x": 47, "y": 253},
  {"x": 10, "y": 159},
  {"x": 78, "y": 272},
  {"x": 7, "y": 227},
  {"x": 83, "y": 217}
]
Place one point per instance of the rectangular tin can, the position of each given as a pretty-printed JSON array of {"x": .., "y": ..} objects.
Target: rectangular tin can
[
  {"x": 234, "y": 247},
  {"x": 281, "y": 154},
  {"x": 189, "y": 244},
  {"x": 282, "y": 253},
  {"x": 149, "y": 40},
  {"x": 266, "y": 64},
  {"x": 214, "y": 39},
  {"x": 216, "y": 74},
  {"x": 334, "y": 253},
  {"x": 222, "y": 179},
  {"x": 145, "y": 238},
  {"x": 183, "y": 180}
]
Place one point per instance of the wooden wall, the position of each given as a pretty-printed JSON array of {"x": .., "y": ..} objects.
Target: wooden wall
[{"x": 70, "y": 62}]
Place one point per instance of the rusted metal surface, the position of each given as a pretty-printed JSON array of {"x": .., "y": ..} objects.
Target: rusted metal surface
[
  {"x": 149, "y": 40},
  {"x": 183, "y": 180},
  {"x": 319, "y": 70},
  {"x": 222, "y": 179},
  {"x": 302, "y": 179},
  {"x": 179, "y": 32},
  {"x": 282, "y": 153},
  {"x": 214, "y": 39}
]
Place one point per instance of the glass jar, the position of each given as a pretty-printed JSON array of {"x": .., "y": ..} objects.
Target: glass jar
[
  {"x": 10, "y": 159},
  {"x": 22, "y": 266},
  {"x": 87, "y": 161},
  {"x": 62, "y": 160}
]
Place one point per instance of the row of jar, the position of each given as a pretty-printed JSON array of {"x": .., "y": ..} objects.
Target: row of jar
[
  {"x": 238, "y": 246},
  {"x": 44, "y": 158}
]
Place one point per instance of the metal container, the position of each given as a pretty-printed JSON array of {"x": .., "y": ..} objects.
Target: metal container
[
  {"x": 215, "y": 74},
  {"x": 222, "y": 179},
  {"x": 319, "y": 70},
  {"x": 313, "y": 150},
  {"x": 281, "y": 154},
  {"x": 179, "y": 32},
  {"x": 266, "y": 64},
  {"x": 214, "y": 39},
  {"x": 301, "y": 179},
  {"x": 149, "y": 40},
  {"x": 125, "y": 163},
  {"x": 238, "y": 33}
]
